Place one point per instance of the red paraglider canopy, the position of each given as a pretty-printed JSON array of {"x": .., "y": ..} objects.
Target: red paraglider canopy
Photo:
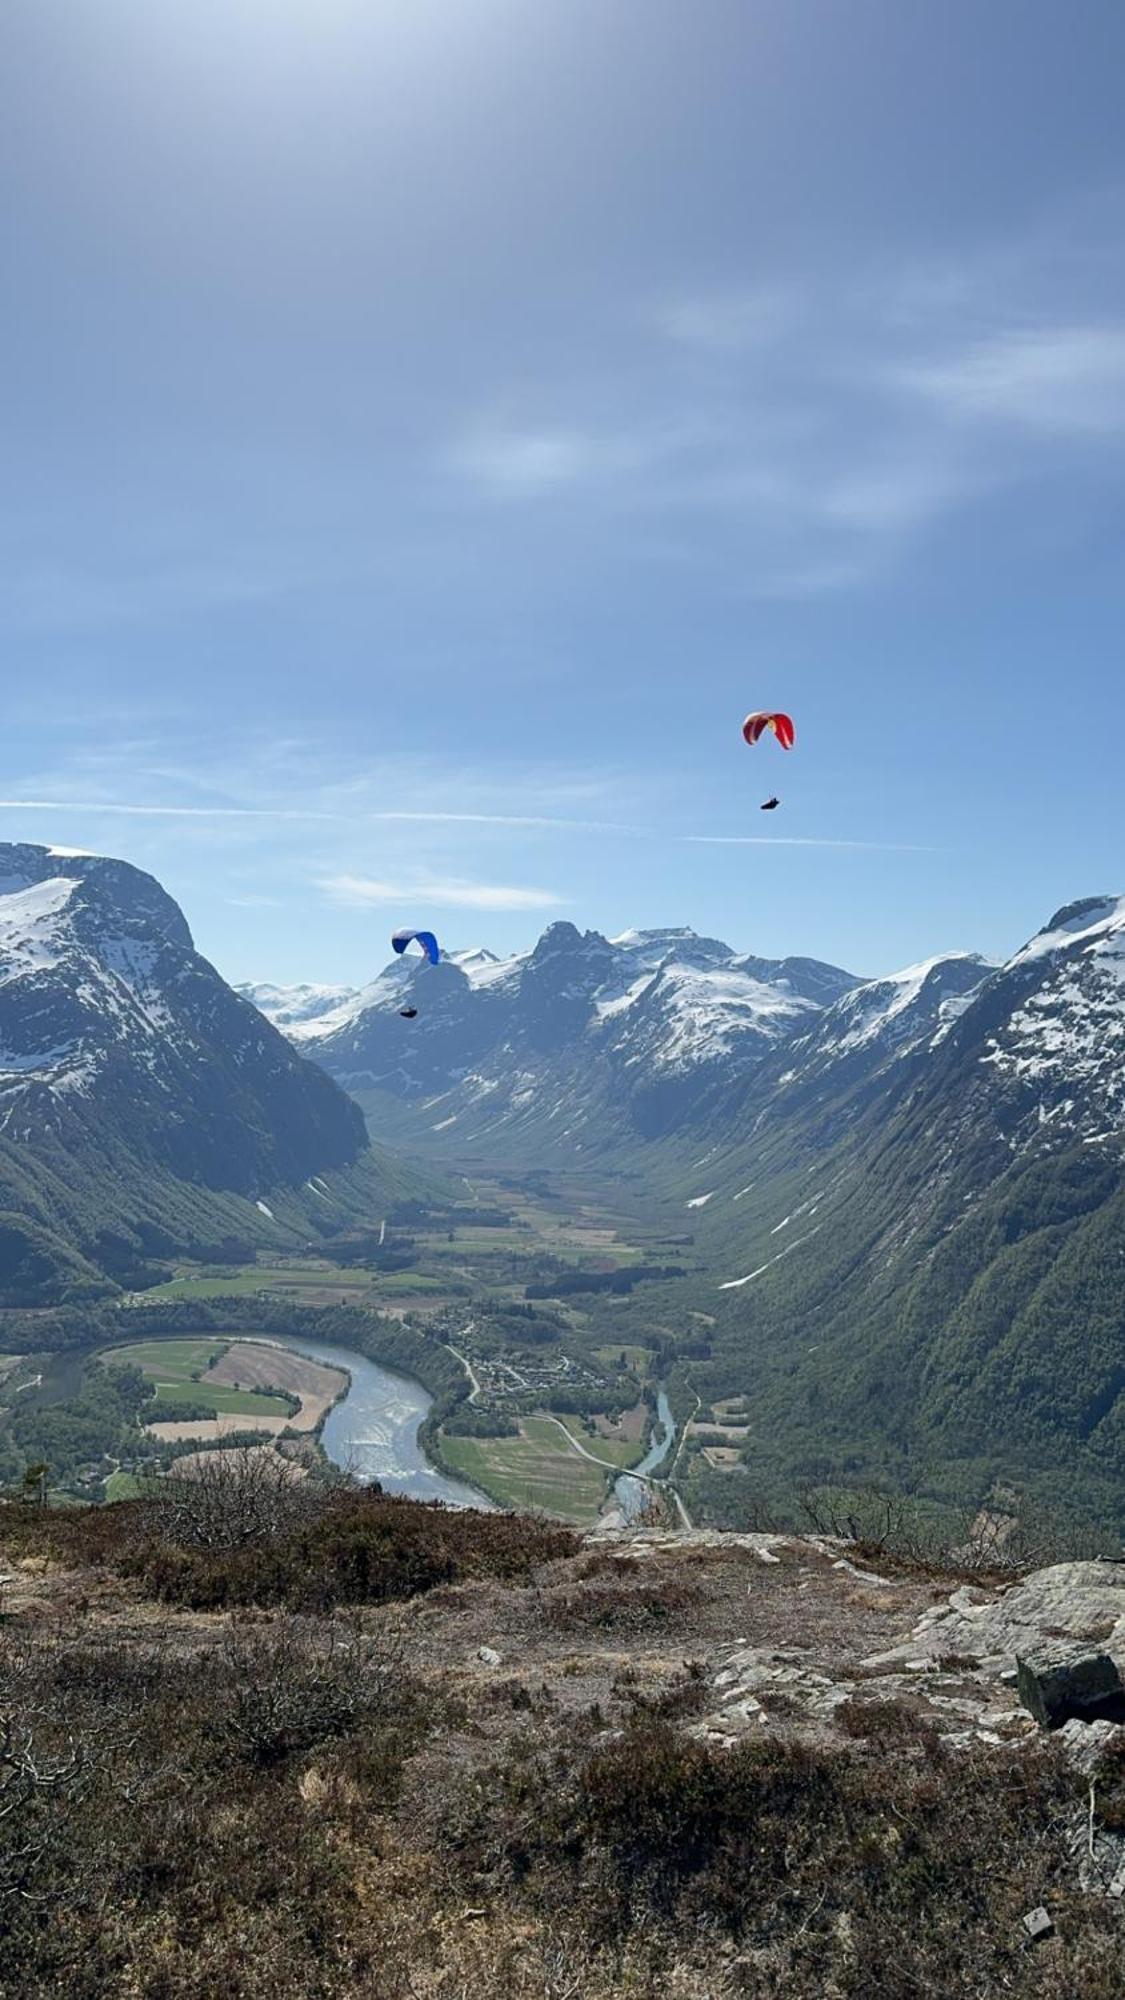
[{"x": 756, "y": 725}]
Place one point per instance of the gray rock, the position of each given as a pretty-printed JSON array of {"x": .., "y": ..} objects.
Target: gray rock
[
  {"x": 489, "y": 1657},
  {"x": 1082, "y": 1603},
  {"x": 1037, "y": 1923},
  {"x": 1084, "y": 1744},
  {"x": 1056, "y": 1686}
]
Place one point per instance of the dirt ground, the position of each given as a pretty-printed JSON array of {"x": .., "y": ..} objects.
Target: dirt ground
[{"x": 259, "y": 1365}]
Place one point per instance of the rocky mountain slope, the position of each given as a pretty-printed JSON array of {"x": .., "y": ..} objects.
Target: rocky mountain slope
[
  {"x": 143, "y": 1105},
  {"x": 929, "y": 1263},
  {"x": 582, "y": 1043}
]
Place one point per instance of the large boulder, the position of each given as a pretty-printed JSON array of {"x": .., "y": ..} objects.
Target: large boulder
[{"x": 1073, "y": 1684}]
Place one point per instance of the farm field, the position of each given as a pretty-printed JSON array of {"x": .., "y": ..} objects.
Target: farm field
[
  {"x": 224, "y": 1401},
  {"x": 260, "y": 1365},
  {"x": 122, "y": 1486},
  {"x": 174, "y": 1365},
  {"x": 168, "y": 1360},
  {"x": 639, "y": 1359},
  {"x": 617, "y": 1451},
  {"x": 312, "y": 1284},
  {"x": 534, "y": 1471}
]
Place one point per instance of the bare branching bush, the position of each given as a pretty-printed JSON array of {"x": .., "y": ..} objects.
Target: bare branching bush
[
  {"x": 866, "y": 1514},
  {"x": 38, "y": 1786},
  {"x": 297, "y": 1682},
  {"x": 957, "y": 1539},
  {"x": 229, "y": 1499}
]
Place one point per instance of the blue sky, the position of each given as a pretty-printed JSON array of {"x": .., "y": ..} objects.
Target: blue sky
[{"x": 432, "y": 424}]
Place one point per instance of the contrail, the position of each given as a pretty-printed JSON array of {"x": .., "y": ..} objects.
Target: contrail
[{"x": 335, "y": 818}]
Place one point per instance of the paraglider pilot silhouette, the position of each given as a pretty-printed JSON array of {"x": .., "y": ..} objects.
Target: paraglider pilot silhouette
[
  {"x": 428, "y": 945},
  {"x": 755, "y": 727}
]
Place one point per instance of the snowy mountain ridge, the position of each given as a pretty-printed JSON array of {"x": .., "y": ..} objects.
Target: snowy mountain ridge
[
  {"x": 675, "y": 1027},
  {"x": 664, "y": 1002},
  {"x": 132, "y": 1079}
]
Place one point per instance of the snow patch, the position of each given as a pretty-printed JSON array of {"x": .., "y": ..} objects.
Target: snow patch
[
  {"x": 735, "y": 1284},
  {"x": 30, "y": 927}
]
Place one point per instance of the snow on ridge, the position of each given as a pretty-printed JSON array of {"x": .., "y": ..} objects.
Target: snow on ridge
[
  {"x": 300, "y": 1010},
  {"x": 1101, "y": 922},
  {"x": 621, "y": 1002},
  {"x": 708, "y": 1010},
  {"x": 14, "y": 1064},
  {"x": 879, "y": 1001},
  {"x": 30, "y": 925},
  {"x": 1066, "y": 1038},
  {"x": 483, "y": 968},
  {"x": 700, "y": 1200}
]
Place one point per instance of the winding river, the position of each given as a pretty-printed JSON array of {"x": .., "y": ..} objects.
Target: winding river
[
  {"x": 373, "y": 1430},
  {"x": 631, "y": 1492}
]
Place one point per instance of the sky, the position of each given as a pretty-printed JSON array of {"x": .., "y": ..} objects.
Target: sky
[{"x": 431, "y": 425}]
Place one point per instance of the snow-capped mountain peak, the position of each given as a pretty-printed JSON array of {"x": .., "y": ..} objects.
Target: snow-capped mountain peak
[
  {"x": 103, "y": 996},
  {"x": 1056, "y": 1037}
]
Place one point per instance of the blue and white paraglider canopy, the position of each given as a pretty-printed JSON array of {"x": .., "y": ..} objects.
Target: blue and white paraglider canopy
[{"x": 425, "y": 939}]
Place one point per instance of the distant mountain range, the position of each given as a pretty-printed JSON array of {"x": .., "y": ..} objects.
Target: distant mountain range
[
  {"x": 582, "y": 1042},
  {"x": 144, "y": 1107},
  {"x": 907, "y": 1194}
]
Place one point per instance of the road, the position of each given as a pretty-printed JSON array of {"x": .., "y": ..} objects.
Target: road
[
  {"x": 467, "y": 1365},
  {"x": 606, "y": 1462},
  {"x": 658, "y": 1485}
]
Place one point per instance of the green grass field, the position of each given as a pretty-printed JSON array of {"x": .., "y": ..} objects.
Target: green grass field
[
  {"x": 169, "y": 1360},
  {"x": 171, "y": 1397},
  {"x": 614, "y": 1450},
  {"x": 637, "y": 1358},
  {"x": 170, "y": 1364},
  {"x": 309, "y": 1282},
  {"x": 252, "y": 1278},
  {"x": 535, "y": 1470},
  {"x": 122, "y": 1486}
]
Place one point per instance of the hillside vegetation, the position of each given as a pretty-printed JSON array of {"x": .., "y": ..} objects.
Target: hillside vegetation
[{"x": 277, "y": 1742}]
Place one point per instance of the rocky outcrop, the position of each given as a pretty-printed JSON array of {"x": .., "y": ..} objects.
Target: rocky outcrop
[{"x": 1075, "y": 1686}]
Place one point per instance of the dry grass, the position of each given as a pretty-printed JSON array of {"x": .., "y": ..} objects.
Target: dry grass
[{"x": 208, "y": 1429}]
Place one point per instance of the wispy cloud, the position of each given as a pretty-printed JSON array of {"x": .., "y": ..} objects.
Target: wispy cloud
[
  {"x": 1054, "y": 379},
  {"x": 164, "y": 811},
  {"x": 517, "y": 463},
  {"x": 362, "y": 891},
  {"x": 805, "y": 433}
]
